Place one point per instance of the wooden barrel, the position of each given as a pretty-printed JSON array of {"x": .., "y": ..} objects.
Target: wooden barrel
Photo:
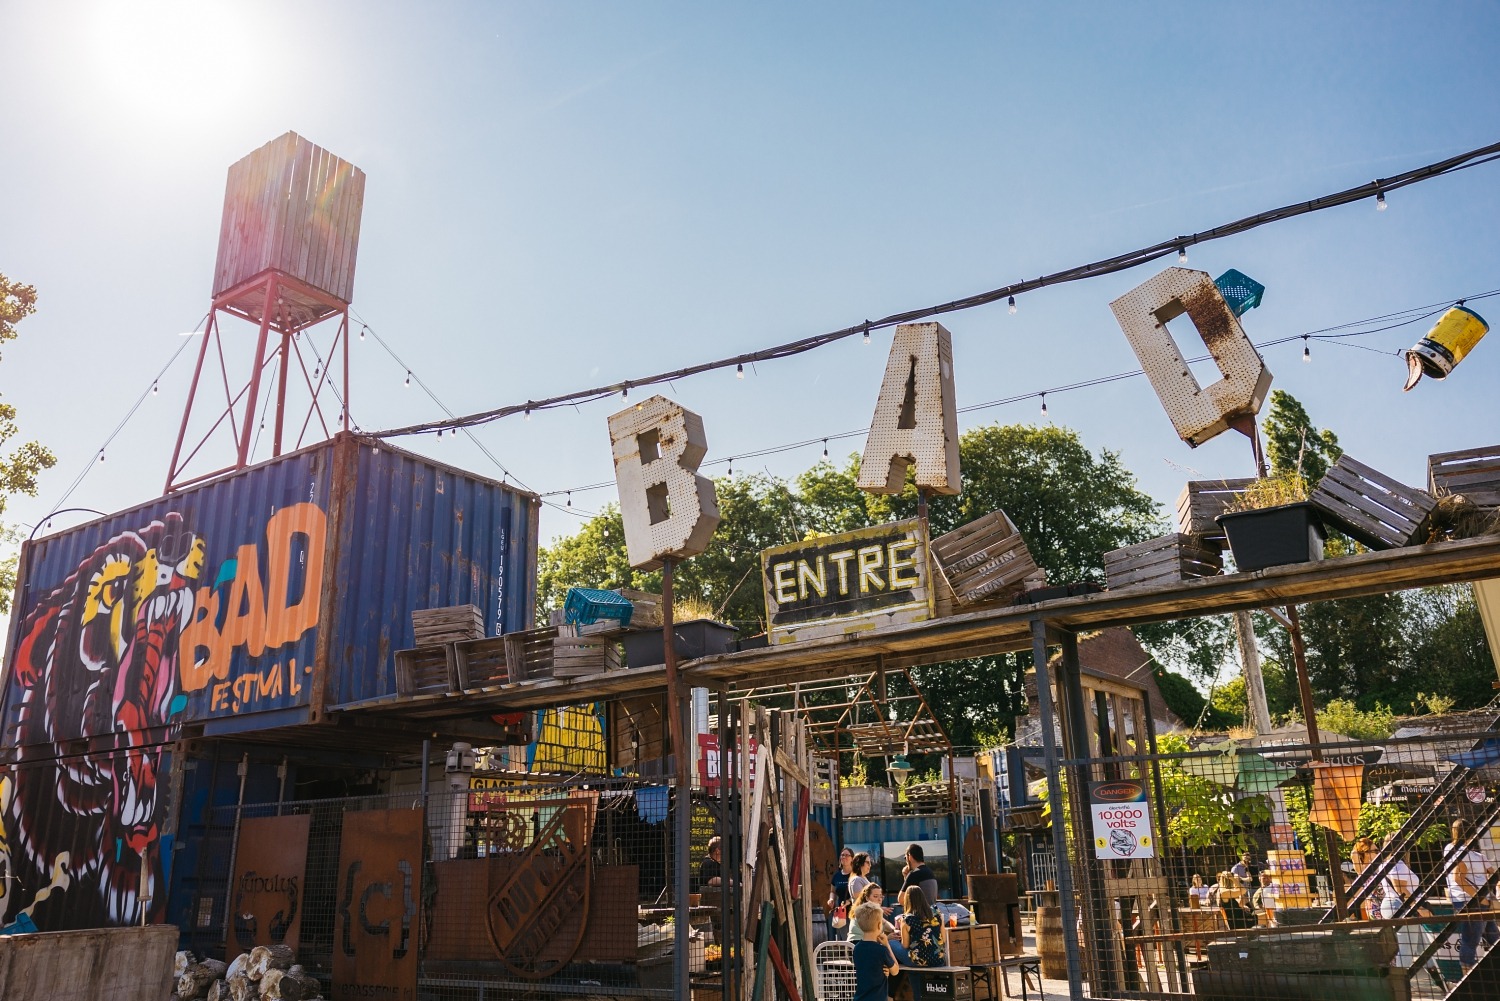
[{"x": 1050, "y": 945}]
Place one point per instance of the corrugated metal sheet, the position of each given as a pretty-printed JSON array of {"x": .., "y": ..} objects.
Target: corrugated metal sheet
[{"x": 421, "y": 535}]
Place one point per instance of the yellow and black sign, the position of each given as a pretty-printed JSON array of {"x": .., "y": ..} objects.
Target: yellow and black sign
[{"x": 840, "y": 584}]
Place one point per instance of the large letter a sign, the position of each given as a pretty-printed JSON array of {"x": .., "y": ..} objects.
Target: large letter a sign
[
  {"x": 916, "y": 422},
  {"x": 669, "y": 510}
]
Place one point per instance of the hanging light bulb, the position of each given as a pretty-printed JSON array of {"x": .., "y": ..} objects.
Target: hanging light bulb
[
  {"x": 1182, "y": 255},
  {"x": 825, "y": 448},
  {"x": 317, "y": 370},
  {"x": 362, "y": 329},
  {"x": 440, "y": 434},
  {"x": 1011, "y": 305},
  {"x": 101, "y": 455},
  {"x": 731, "y": 467},
  {"x": 1379, "y": 201},
  {"x": 625, "y": 393},
  {"x": 570, "y": 498},
  {"x": 153, "y": 388},
  {"x": 867, "y": 331},
  {"x": 408, "y": 378},
  {"x": 1044, "y": 404},
  {"x": 739, "y": 371},
  {"x": 1306, "y": 353},
  {"x": 526, "y": 414}
]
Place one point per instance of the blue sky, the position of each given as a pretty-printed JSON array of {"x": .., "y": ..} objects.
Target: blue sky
[{"x": 565, "y": 195}]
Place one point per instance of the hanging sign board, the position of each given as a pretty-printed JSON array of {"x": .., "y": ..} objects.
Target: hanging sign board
[
  {"x": 1122, "y": 820},
  {"x": 848, "y": 583}
]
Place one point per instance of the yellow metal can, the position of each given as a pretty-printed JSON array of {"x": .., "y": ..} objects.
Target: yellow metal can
[{"x": 1445, "y": 345}]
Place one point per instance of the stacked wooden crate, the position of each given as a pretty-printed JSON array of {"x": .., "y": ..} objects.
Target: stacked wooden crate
[
  {"x": 585, "y": 653},
  {"x": 1473, "y": 473},
  {"x": 1380, "y": 512},
  {"x": 528, "y": 653},
  {"x": 983, "y": 562},
  {"x": 1170, "y": 559},
  {"x": 435, "y": 626},
  {"x": 481, "y": 663},
  {"x": 1201, "y": 501}
]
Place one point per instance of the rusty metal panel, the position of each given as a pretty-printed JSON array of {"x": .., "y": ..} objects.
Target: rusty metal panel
[
  {"x": 375, "y": 924},
  {"x": 269, "y": 883},
  {"x": 669, "y": 511},
  {"x": 293, "y": 207},
  {"x": 1198, "y": 413},
  {"x": 843, "y": 584},
  {"x": 916, "y": 416},
  {"x": 419, "y": 534}
]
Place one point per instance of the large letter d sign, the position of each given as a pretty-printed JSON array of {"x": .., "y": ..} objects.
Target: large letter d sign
[{"x": 668, "y": 509}]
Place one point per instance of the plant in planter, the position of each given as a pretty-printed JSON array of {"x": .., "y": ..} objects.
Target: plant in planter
[
  {"x": 696, "y": 633},
  {"x": 1271, "y": 523}
]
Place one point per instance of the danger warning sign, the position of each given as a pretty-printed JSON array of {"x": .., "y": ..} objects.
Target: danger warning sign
[{"x": 1122, "y": 820}]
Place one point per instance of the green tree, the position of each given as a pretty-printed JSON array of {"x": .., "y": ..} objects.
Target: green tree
[
  {"x": 1294, "y": 445},
  {"x": 1201, "y": 812},
  {"x": 20, "y": 468}
]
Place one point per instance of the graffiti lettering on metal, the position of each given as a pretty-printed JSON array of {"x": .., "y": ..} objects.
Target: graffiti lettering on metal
[
  {"x": 540, "y": 912},
  {"x": 669, "y": 511},
  {"x": 265, "y": 905},
  {"x": 375, "y": 927},
  {"x": 916, "y": 418},
  {"x": 849, "y": 583},
  {"x": 1198, "y": 413},
  {"x": 1122, "y": 820}
]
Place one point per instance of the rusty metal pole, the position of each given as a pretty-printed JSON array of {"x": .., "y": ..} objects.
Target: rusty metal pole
[
  {"x": 682, "y": 796},
  {"x": 1315, "y": 741}
]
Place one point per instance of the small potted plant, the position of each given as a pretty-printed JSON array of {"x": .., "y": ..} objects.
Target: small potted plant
[{"x": 1271, "y": 523}]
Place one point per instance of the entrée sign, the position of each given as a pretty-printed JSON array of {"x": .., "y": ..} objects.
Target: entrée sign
[{"x": 847, "y": 583}]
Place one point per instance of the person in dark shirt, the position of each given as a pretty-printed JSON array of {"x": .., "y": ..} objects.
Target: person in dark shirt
[
  {"x": 711, "y": 869},
  {"x": 873, "y": 959},
  {"x": 917, "y": 874},
  {"x": 838, "y": 894}
]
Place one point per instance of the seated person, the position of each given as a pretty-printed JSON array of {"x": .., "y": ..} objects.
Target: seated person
[
  {"x": 711, "y": 869},
  {"x": 1200, "y": 894},
  {"x": 921, "y": 932},
  {"x": 1236, "y": 914},
  {"x": 1266, "y": 896},
  {"x": 916, "y": 873},
  {"x": 873, "y": 959},
  {"x": 870, "y": 893}
]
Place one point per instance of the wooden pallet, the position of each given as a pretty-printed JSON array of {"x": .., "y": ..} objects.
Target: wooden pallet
[
  {"x": 981, "y": 560},
  {"x": 582, "y": 656},
  {"x": 528, "y": 653},
  {"x": 431, "y": 626},
  {"x": 1380, "y": 512},
  {"x": 1170, "y": 559},
  {"x": 480, "y": 663},
  {"x": 426, "y": 670},
  {"x": 1201, "y": 501},
  {"x": 1474, "y": 472}
]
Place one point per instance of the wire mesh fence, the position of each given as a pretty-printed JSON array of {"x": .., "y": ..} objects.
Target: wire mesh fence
[
  {"x": 1284, "y": 870},
  {"x": 515, "y": 889}
]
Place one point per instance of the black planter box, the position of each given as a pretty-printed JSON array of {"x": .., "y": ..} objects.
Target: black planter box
[
  {"x": 692, "y": 639},
  {"x": 1274, "y": 536}
]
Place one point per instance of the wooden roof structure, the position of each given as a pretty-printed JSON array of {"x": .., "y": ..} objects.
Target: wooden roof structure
[{"x": 990, "y": 631}]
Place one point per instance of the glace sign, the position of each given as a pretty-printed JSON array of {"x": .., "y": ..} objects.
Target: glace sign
[{"x": 1122, "y": 820}]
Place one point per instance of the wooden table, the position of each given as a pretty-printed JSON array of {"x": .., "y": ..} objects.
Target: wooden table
[{"x": 1209, "y": 920}]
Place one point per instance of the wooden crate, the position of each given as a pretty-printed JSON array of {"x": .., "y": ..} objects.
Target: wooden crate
[
  {"x": 647, "y": 614},
  {"x": 480, "y": 663},
  {"x": 581, "y": 656},
  {"x": 983, "y": 559},
  {"x": 1170, "y": 559},
  {"x": 431, "y": 626},
  {"x": 1380, "y": 512},
  {"x": 528, "y": 653},
  {"x": 425, "y": 671},
  {"x": 972, "y": 945},
  {"x": 1474, "y": 472},
  {"x": 1201, "y": 501}
]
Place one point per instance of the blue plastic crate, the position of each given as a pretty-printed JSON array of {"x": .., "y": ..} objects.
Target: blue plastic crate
[
  {"x": 585, "y": 606},
  {"x": 1240, "y": 290}
]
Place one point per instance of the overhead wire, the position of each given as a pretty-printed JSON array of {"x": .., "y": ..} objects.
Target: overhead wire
[
  {"x": 1121, "y": 262},
  {"x": 1329, "y": 335}
]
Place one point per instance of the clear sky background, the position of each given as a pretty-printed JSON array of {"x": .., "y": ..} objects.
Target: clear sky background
[{"x": 567, "y": 194}]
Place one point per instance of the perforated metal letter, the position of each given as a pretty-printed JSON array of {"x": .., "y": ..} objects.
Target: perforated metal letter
[
  {"x": 1198, "y": 413},
  {"x": 916, "y": 419},
  {"x": 668, "y": 509}
]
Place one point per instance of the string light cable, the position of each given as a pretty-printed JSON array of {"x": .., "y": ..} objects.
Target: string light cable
[
  {"x": 1339, "y": 335},
  {"x": 98, "y": 455},
  {"x": 1178, "y": 245}
]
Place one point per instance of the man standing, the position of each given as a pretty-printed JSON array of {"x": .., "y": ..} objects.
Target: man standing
[
  {"x": 1245, "y": 871},
  {"x": 917, "y": 874},
  {"x": 711, "y": 869}
]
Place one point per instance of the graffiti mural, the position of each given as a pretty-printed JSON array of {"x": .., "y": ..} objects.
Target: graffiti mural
[{"x": 142, "y": 634}]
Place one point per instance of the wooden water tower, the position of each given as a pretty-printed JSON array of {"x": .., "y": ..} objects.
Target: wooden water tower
[{"x": 287, "y": 246}]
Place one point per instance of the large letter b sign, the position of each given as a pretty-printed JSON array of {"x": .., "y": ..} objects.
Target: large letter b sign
[{"x": 669, "y": 510}]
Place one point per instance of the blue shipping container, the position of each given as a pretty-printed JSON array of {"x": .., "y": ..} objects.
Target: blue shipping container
[{"x": 249, "y": 602}]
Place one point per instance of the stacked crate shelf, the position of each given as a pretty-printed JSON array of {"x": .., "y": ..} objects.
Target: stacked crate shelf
[{"x": 1291, "y": 877}]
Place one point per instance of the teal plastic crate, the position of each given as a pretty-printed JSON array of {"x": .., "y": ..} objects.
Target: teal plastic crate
[
  {"x": 1240, "y": 290},
  {"x": 584, "y": 606}
]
